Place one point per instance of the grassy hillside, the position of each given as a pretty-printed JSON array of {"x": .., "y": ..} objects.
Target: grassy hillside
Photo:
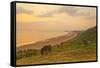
[
  {"x": 72, "y": 51},
  {"x": 88, "y": 35}
]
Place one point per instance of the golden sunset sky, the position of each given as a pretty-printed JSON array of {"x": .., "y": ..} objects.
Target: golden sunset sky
[
  {"x": 32, "y": 18},
  {"x": 55, "y": 16}
]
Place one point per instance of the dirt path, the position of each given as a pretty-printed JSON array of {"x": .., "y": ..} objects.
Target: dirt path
[{"x": 52, "y": 41}]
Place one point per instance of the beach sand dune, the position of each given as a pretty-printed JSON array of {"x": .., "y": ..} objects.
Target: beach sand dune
[{"x": 52, "y": 41}]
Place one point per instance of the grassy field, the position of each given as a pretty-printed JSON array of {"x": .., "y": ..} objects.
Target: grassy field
[{"x": 72, "y": 51}]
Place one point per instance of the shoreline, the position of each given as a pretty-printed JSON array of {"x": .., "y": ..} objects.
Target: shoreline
[
  {"x": 32, "y": 42},
  {"x": 52, "y": 41}
]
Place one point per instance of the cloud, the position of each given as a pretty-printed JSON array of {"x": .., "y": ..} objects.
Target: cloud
[
  {"x": 72, "y": 11},
  {"x": 48, "y": 14},
  {"x": 23, "y": 10}
]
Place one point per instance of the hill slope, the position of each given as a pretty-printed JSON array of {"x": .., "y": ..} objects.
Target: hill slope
[
  {"x": 88, "y": 35},
  {"x": 72, "y": 51}
]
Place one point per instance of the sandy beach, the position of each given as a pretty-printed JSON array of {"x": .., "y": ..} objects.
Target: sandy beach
[{"x": 52, "y": 41}]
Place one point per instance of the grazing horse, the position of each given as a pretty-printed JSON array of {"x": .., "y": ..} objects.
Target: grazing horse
[
  {"x": 59, "y": 44},
  {"x": 86, "y": 42},
  {"x": 46, "y": 50}
]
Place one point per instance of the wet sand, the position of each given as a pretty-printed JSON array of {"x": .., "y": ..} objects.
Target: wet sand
[{"x": 52, "y": 41}]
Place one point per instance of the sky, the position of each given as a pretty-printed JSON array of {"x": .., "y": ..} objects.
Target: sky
[{"x": 32, "y": 18}]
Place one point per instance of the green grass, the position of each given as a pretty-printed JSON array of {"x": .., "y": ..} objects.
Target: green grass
[{"x": 72, "y": 51}]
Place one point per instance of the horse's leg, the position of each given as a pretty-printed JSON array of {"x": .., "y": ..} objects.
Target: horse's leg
[
  {"x": 41, "y": 52},
  {"x": 46, "y": 53}
]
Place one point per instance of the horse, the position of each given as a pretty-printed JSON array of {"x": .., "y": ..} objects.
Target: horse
[
  {"x": 46, "y": 50},
  {"x": 86, "y": 42},
  {"x": 59, "y": 44}
]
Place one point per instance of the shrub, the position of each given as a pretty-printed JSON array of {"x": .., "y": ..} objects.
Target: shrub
[{"x": 25, "y": 53}]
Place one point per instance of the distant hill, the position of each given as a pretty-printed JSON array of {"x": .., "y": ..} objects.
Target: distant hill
[{"x": 89, "y": 35}]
